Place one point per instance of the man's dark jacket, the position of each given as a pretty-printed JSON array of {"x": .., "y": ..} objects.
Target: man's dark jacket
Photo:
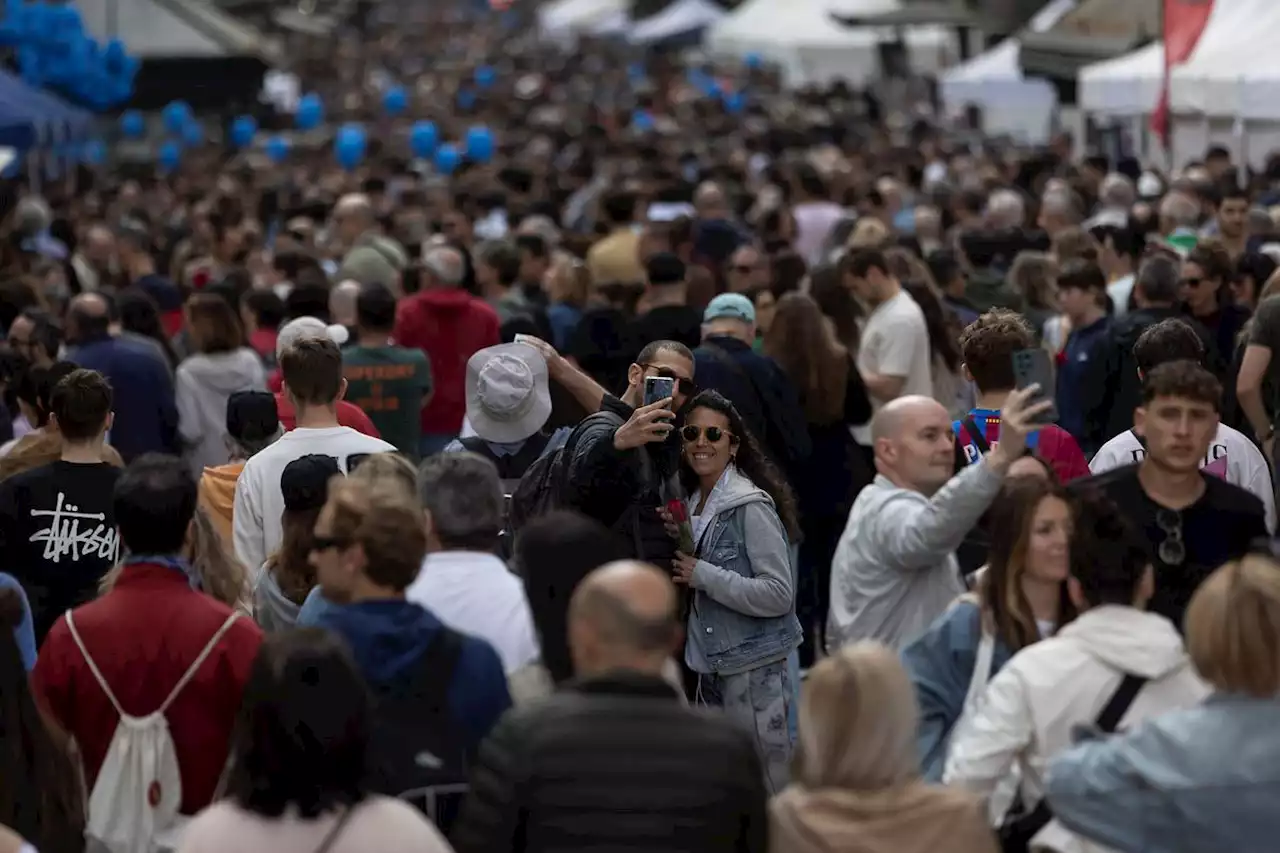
[
  {"x": 762, "y": 393},
  {"x": 1111, "y": 387},
  {"x": 614, "y": 763}
]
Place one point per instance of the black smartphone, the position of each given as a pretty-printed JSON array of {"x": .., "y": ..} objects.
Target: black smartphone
[
  {"x": 658, "y": 388},
  {"x": 1035, "y": 367}
]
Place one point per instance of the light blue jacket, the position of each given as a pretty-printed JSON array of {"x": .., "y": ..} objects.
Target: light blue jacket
[
  {"x": 1192, "y": 781},
  {"x": 744, "y": 604},
  {"x": 23, "y": 633},
  {"x": 940, "y": 662}
]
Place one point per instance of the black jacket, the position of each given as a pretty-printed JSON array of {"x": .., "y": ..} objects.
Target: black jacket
[
  {"x": 762, "y": 393},
  {"x": 622, "y": 489},
  {"x": 1111, "y": 389},
  {"x": 614, "y": 763}
]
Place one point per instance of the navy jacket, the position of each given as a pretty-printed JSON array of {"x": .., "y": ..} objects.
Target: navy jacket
[
  {"x": 389, "y": 637},
  {"x": 762, "y": 394},
  {"x": 146, "y": 415}
]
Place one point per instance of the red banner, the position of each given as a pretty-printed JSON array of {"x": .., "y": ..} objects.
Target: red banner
[{"x": 1184, "y": 23}]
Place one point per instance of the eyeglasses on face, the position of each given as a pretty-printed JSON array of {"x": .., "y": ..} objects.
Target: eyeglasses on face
[
  {"x": 687, "y": 386},
  {"x": 327, "y": 543},
  {"x": 691, "y": 433},
  {"x": 1191, "y": 281}
]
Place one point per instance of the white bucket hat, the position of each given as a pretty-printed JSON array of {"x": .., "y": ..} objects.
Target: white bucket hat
[{"x": 508, "y": 398}]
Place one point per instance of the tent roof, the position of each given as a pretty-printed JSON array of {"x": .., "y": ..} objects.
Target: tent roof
[
  {"x": 1093, "y": 31},
  {"x": 680, "y": 17},
  {"x": 164, "y": 28},
  {"x": 29, "y": 116}
]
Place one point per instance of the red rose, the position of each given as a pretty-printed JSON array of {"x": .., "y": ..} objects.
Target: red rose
[{"x": 678, "y": 514}]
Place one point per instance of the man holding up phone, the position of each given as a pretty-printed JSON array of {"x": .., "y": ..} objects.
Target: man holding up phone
[
  {"x": 990, "y": 346},
  {"x": 619, "y": 458}
]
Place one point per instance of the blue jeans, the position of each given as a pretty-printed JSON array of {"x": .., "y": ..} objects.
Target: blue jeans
[
  {"x": 432, "y": 443},
  {"x": 763, "y": 701}
]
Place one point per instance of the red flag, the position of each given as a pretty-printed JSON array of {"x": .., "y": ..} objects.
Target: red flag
[{"x": 1184, "y": 23}]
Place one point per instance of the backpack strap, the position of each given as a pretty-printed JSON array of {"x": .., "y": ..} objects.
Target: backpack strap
[
  {"x": 200, "y": 659},
  {"x": 979, "y": 440},
  {"x": 93, "y": 667},
  {"x": 1120, "y": 702},
  {"x": 435, "y": 671}
]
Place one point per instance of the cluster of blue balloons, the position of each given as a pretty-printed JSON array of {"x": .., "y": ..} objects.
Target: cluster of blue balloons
[
  {"x": 478, "y": 146},
  {"x": 54, "y": 51},
  {"x": 733, "y": 101}
]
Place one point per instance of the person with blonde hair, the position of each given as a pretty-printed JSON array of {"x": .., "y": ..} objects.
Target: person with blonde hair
[
  {"x": 1206, "y": 777},
  {"x": 856, "y": 783}
]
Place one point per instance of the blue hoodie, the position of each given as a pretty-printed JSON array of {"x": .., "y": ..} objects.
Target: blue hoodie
[
  {"x": 940, "y": 663},
  {"x": 389, "y": 637}
]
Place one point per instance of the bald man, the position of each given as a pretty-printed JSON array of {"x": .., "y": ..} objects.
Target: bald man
[
  {"x": 548, "y": 776},
  {"x": 895, "y": 569},
  {"x": 372, "y": 257},
  {"x": 140, "y": 376}
]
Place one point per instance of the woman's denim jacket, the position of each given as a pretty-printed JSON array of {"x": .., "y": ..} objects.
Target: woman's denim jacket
[{"x": 744, "y": 607}]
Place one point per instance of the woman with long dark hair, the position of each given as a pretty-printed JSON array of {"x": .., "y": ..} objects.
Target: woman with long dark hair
[
  {"x": 140, "y": 316},
  {"x": 742, "y": 622},
  {"x": 838, "y": 306},
  {"x": 41, "y": 793},
  {"x": 299, "y": 762},
  {"x": 834, "y": 399},
  {"x": 1022, "y": 596}
]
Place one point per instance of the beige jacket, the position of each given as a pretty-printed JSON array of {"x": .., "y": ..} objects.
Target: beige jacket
[{"x": 916, "y": 818}]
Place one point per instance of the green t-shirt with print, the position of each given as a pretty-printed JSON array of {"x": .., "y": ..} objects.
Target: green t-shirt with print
[{"x": 389, "y": 383}]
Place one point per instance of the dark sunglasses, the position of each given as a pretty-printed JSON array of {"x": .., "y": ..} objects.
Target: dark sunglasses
[
  {"x": 687, "y": 386},
  {"x": 1191, "y": 282},
  {"x": 714, "y": 434},
  {"x": 744, "y": 269},
  {"x": 326, "y": 543}
]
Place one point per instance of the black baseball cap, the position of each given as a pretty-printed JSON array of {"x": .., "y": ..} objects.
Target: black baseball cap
[
  {"x": 305, "y": 481},
  {"x": 252, "y": 416}
]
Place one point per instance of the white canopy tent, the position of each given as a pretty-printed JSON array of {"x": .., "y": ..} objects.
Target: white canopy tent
[
  {"x": 1236, "y": 68},
  {"x": 993, "y": 81},
  {"x": 675, "y": 20},
  {"x": 1126, "y": 86},
  {"x": 566, "y": 18},
  {"x": 811, "y": 47},
  {"x": 173, "y": 28}
]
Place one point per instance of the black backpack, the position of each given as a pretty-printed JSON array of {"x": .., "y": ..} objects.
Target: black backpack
[
  {"x": 545, "y": 484},
  {"x": 417, "y": 749},
  {"x": 511, "y": 467}
]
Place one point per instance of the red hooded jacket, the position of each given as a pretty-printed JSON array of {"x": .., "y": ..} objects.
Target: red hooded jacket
[{"x": 449, "y": 325}]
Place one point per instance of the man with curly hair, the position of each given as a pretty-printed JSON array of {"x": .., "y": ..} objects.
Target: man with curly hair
[{"x": 987, "y": 346}]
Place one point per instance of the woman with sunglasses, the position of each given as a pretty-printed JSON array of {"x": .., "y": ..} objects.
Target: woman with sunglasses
[{"x": 742, "y": 619}]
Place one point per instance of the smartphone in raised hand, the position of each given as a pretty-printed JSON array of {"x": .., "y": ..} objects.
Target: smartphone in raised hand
[
  {"x": 1034, "y": 366},
  {"x": 658, "y": 388}
]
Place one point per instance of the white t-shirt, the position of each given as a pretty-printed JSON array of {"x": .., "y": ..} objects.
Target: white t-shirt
[
  {"x": 895, "y": 342},
  {"x": 255, "y": 520},
  {"x": 1231, "y": 456}
]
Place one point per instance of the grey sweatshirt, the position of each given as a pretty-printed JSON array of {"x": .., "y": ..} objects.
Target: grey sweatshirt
[
  {"x": 203, "y": 385},
  {"x": 895, "y": 569}
]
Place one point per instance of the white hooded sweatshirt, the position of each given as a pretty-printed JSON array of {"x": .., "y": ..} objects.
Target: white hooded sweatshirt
[{"x": 1031, "y": 706}]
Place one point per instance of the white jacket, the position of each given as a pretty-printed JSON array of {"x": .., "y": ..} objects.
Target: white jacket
[
  {"x": 1047, "y": 689},
  {"x": 1232, "y": 456}
]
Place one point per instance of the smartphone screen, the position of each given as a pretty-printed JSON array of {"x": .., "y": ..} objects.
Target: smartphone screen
[
  {"x": 1035, "y": 367},
  {"x": 658, "y": 388}
]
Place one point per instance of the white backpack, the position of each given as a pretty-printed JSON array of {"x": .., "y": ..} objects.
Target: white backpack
[{"x": 133, "y": 807}]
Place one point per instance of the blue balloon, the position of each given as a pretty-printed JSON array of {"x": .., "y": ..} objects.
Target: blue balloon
[
  {"x": 734, "y": 103},
  {"x": 170, "y": 155},
  {"x": 176, "y": 115},
  {"x": 485, "y": 76},
  {"x": 447, "y": 159},
  {"x": 349, "y": 146},
  {"x": 310, "y": 112},
  {"x": 278, "y": 149},
  {"x": 132, "y": 124},
  {"x": 94, "y": 152},
  {"x": 753, "y": 60},
  {"x": 243, "y": 129},
  {"x": 193, "y": 134},
  {"x": 642, "y": 121},
  {"x": 423, "y": 138},
  {"x": 114, "y": 55},
  {"x": 480, "y": 145},
  {"x": 466, "y": 99},
  {"x": 395, "y": 100}
]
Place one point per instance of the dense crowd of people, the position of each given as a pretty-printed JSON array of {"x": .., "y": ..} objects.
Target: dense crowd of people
[{"x": 813, "y": 476}]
